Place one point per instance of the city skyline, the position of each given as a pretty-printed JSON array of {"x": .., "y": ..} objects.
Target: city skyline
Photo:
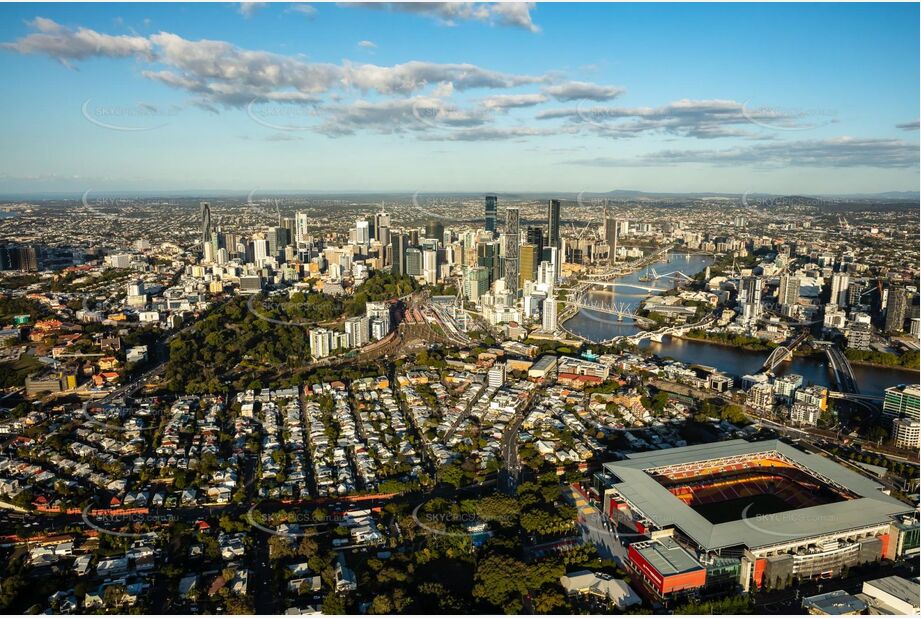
[{"x": 297, "y": 97}]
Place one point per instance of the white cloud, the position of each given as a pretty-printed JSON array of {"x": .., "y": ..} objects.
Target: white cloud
[
  {"x": 507, "y": 101},
  {"x": 705, "y": 119},
  {"x": 512, "y": 14},
  {"x": 248, "y": 9},
  {"x": 64, "y": 44},
  {"x": 574, "y": 91},
  {"x": 839, "y": 152},
  {"x": 367, "y": 44},
  {"x": 304, "y": 9}
]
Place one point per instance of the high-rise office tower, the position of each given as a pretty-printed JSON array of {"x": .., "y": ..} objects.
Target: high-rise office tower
[
  {"x": 430, "y": 266},
  {"x": 553, "y": 255},
  {"x": 278, "y": 240},
  {"x": 205, "y": 222},
  {"x": 398, "y": 253},
  {"x": 413, "y": 261},
  {"x": 382, "y": 219},
  {"x": 512, "y": 233},
  {"x": 301, "y": 221},
  {"x": 362, "y": 232},
  {"x": 750, "y": 298},
  {"x": 610, "y": 235},
  {"x": 549, "y": 321},
  {"x": 491, "y": 201},
  {"x": 553, "y": 224},
  {"x": 382, "y": 227},
  {"x": 535, "y": 235},
  {"x": 528, "y": 259},
  {"x": 487, "y": 254},
  {"x": 434, "y": 229},
  {"x": 288, "y": 224},
  {"x": 260, "y": 250},
  {"x": 788, "y": 290},
  {"x": 476, "y": 283},
  {"x": 839, "y": 283},
  {"x": 895, "y": 310}
]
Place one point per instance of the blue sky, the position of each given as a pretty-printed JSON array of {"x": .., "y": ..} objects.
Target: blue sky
[{"x": 775, "y": 98}]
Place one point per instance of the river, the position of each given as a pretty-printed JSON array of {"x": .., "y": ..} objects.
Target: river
[{"x": 599, "y": 326}]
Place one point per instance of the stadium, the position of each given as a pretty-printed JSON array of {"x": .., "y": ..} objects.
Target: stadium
[{"x": 756, "y": 513}]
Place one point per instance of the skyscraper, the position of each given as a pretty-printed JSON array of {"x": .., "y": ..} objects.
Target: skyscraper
[
  {"x": 788, "y": 290},
  {"x": 491, "y": 201},
  {"x": 553, "y": 224},
  {"x": 434, "y": 229},
  {"x": 488, "y": 258},
  {"x": 750, "y": 299},
  {"x": 610, "y": 235},
  {"x": 362, "y": 232},
  {"x": 529, "y": 257},
  {"x": 476, "y": 283},
  {"x": 839, "y": 283},
  {"x": 398, "y": 253},
  {"x": 549, "y": 318},
  {"x": 301, "y": 221},
  {"x": 205, "y": 222},
  {"x": 512, "y": 220},
  {"x": 535, "y": 235},
  {"x": 413, "y": 261},
  {"x": 382, "y": 227},
  {"x": 895, "y": 310}
]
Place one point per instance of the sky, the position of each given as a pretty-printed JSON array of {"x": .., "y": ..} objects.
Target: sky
[{"x": 472, "y": 97}]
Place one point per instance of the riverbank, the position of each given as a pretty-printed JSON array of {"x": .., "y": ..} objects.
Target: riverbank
[
  {"x": 751, "y": 347},
  {"x": 913, "y": 370}
]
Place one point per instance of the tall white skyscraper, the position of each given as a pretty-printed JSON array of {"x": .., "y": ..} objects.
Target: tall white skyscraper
[
  {"x": 549, "y": 318},
  {"x": 362, "y": 232},
  {"x": 260, "y": 250},
  {"x": 430, "y": 266},
  {"x": 839, "y": 283},
  {"x": 300, "y": 227}
]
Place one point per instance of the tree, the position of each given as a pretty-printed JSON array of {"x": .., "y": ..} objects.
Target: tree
[
  {"x": 546, "y": 601},
  {"x": 498, "y": 581},
  {"x": 333, "y": 604}
]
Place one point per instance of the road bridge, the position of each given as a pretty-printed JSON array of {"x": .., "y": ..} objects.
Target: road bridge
[{"x": 844, "y": 373}]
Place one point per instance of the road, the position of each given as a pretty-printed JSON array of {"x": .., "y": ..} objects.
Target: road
[
  {"x": 508, "y": 475},
  {"x": 598, "y": 530}
]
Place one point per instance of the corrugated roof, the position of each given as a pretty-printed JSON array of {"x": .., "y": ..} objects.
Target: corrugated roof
[{"x": 659, "y": 505}]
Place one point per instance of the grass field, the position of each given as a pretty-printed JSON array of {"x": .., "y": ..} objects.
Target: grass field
[{"x": 731, "y": 510}]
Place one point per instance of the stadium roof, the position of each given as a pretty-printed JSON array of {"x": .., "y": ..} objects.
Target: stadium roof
[{"x": 653, "y": 500}]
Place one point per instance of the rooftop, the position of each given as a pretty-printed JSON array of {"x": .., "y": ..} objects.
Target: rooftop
[
  {"x": 646, "y": 495},
  {"x": 667, "y": 557},
  {"x": 835, "y": 603}
]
